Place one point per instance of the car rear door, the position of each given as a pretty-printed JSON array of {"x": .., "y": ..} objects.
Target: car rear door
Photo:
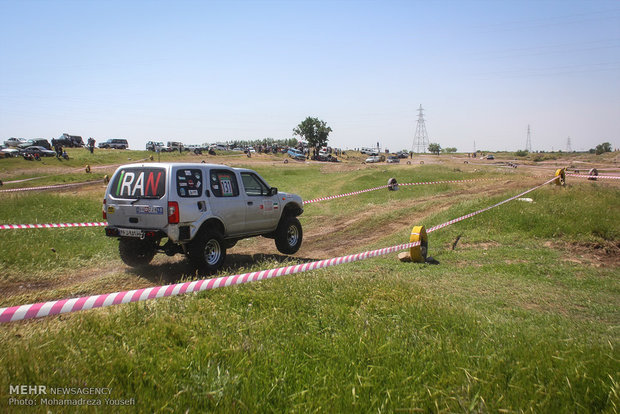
[
  {"x": 226, "y": 201},
  {"x": 188, "y": 191},
  {"x": 137, "y": 198}
]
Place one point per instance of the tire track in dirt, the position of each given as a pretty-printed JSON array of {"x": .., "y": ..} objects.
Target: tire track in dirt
[
  {"x": 320, "y": 242},
  {"x": 325, "y": 242}
]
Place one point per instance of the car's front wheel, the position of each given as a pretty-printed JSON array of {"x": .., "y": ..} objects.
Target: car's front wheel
[
  {"x": 289, "y": 235},
  {"x": 135, "y": 252},
  {"x": 207, "y": 251}
]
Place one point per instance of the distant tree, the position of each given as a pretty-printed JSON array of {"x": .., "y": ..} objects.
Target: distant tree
[
  {"x": 521, "y": 153},
  {"x": 449, "y": 150},
  {"x": 314, "y": 131},
  {"x": 602, "y": 148},
  {"x": 434, "y": 148}
]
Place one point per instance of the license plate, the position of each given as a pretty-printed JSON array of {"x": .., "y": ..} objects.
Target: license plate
[
  {"x": 149, "y": 210},
  {"x": 130, "y": 233}
]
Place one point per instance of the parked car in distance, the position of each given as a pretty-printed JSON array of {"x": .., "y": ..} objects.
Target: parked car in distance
[
  {"x": 6, "y": 152},
  {"x": 38, "y": 142},
  {"x": 114, "y": 143},
  {"x": 373, "y": 158},
  {"x": 37, "y": 150},
  {"x": 402, "y": 155},
  {"x": 490, "y": 157},
  {"x": 155, "y": 146},
  {"x": 370, "y": 151},
  {"x": 296, "y": 154},
  {"x": 175, "y": 146},
  {"x": 14, "y": 142},
  {"x": 66, "y": 140},
  {"x": 393, "y": 159}
]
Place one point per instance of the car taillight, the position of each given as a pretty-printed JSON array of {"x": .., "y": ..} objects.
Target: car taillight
[
  {"x": 173, "y": 212},
  {"x": 105, "y": 214}
]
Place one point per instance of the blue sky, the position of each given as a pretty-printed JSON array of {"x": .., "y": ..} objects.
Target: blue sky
[{"x": 206, "y": 71}]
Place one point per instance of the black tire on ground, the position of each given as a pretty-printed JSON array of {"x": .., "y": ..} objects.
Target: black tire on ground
[
  {"x": 229, "y": 244},
  {"x": 207, "y": 252},
  {"x": 136, "y": 252},
  {"x": 289, "y": 235}
]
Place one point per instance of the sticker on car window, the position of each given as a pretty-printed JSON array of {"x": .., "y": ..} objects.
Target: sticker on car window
[
  {"x": 189, "y": 183},
  {"x": 227, "y": 189}
]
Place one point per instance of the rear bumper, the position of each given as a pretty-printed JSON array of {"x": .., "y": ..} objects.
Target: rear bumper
[{"x": 111, "y": 231}]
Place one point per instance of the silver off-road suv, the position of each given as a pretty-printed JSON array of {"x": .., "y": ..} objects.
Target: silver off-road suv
[{"x": 200, "y": 209}]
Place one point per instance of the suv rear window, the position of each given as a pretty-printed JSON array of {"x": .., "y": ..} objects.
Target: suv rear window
[{"x": 139, "y": 183}]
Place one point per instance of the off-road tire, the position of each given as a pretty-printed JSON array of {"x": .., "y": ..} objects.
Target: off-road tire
[
  {"x": 135, "y": 252},
  {"x": 288, "y": 235},
  {"x": 207, "y": 252}
]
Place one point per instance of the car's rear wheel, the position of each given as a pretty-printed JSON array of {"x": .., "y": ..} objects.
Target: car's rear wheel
[
  {"x": 289, "y": 235},
  {"x": 207, "y": 251},
  {"x": 135, "y": 252}
]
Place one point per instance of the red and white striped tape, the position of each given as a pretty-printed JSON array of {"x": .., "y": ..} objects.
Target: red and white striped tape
[
  {"x": 50, "y": 226},
  {"x": 316, "y": 200},
  {"x": 99, "y": 224},
  {"x": 613, "y": 177},
  {"x": 49, "y": 187},
  {"x": 38, "y": 310},
  {"x": 466, "y": 216},
  {"x": 385, "y": 186}
]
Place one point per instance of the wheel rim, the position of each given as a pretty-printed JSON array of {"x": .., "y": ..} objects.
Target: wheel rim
[
  {"x": 292, "y": 235},
  {"x": 213, "y": 252}
]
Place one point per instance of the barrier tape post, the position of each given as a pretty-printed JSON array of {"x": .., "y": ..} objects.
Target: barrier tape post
[
  {"x": 560, "y": 176},
  {"x": 420, "y": 239},
  {"x": 38, "y": 310}
]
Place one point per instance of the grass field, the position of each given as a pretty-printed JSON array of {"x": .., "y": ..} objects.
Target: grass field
[{"x": 523, "y": 315}]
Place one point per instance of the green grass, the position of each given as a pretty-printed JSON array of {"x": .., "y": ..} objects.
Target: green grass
[
  {"x": 45, "y": 251},
  {"x": 508, "y": 322}
]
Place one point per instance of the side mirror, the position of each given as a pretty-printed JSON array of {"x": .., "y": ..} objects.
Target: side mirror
[{"x": 273, "y": 191}]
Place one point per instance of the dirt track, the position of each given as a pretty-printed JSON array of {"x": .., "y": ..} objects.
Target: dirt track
[{"x": 320, "y": 241}]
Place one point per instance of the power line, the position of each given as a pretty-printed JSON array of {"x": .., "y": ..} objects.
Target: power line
[
  {"x": 528, "y": 143},
  {"x": 420, "y": 140}
]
